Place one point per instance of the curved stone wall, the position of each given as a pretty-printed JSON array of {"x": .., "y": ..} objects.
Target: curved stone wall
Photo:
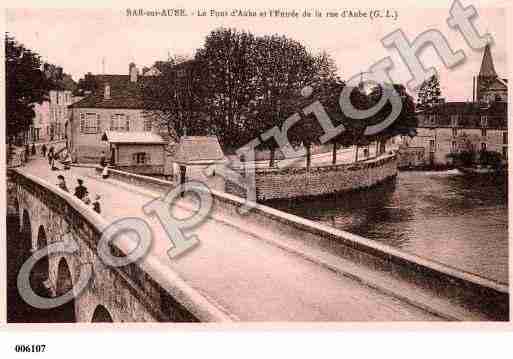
[{"x": 283, "y": 183}]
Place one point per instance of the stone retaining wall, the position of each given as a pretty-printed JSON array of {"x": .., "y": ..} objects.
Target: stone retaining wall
[{"x": 282, "y": 183}]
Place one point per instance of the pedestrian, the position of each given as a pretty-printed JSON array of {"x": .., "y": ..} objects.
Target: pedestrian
[
  {"x": 105, "y": 172},
  {"x": 86, "y": 199},
  {"x": 33, "y": 150},
  {"x": 50, "y": 156},
  {"x": 96, "y": 204},
  {"x": 66, "y": 161},
  {"x": 80, "y": 190},
  {"x": 103, "y": 160},
  {"x": 43, "y": 150},
  {"x": 62, "y": 183}
]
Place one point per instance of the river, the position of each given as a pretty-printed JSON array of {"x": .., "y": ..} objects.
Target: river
[{"x": 443, "y": 216}]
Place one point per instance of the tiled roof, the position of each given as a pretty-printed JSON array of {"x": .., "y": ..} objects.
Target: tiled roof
[
  {"x": 199, "y": 149},
  {"x": 132, "y": 137},
  {"x": 469, "y": 115},
  {"x": 123, "y": 93},
  {"x": 461, "y": 108}
]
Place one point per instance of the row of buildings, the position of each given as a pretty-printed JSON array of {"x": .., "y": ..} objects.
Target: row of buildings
[
  {"x": 50, "y": 122},
  {"x": 112, "y": 120},
  {"x": 450, "y": 127}
]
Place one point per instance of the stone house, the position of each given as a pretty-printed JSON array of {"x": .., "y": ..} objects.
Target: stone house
[
  {"x": 448, "y": 127},
  {"x": 116, "y": 105}
]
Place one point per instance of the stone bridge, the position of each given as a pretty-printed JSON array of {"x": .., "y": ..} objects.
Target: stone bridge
[{"x": 265, "y": 266}]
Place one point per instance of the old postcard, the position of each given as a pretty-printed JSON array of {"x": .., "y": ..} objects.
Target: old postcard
[{"x": 230, "y": 164}]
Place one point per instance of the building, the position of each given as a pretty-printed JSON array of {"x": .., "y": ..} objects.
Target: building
[
  {"x": 140, "y": 152},
  {"x": 453, "y": 126},
  {"x": 115, "y": 105},
  {"x": 489, "y": 87},
  {"x": 39, "y": 131},
  {"x": 193, "y": 155}
]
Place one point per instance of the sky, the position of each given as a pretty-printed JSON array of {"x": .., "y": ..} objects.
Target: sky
[{"x": 78, "y": 39}]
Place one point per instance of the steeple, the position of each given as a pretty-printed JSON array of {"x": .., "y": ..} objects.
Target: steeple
[{"x": 487, "y": 68}]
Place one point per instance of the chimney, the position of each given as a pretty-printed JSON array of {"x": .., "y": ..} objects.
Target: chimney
[
  {"x": 106, "y": 94},
  {"x": 133, "y": 72}
]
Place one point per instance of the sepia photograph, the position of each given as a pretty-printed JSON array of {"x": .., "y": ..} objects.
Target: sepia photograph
[{"x": 256, "y": 164}]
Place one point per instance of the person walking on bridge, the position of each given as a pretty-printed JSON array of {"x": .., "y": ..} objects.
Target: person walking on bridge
[
  {"x": 43, "y": 150},
  {"x": 62, "y": 183},
  {"x": 33, "y": 149},
  {"x": 80, "y": 190}
]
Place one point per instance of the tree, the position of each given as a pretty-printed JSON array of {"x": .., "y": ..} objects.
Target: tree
[
  {"x": 26, "y": 84},
  {"x": 227, "y": 74},
  {"x": 173, "y": 99},
  {"x": 429, "y": 93}
]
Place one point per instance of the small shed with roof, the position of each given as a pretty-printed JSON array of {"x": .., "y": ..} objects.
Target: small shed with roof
[
  {"x": 138, "y": 151},
  {"x": 197, "y": 153}
]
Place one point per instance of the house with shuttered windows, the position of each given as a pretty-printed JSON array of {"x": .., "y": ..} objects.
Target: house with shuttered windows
[{"x": 111, "y": 120}]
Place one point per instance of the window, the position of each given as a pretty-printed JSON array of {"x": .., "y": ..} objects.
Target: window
[
  {"x": 119, "y": 122},
  {"x": 141, "y": 158},
  {"x": 505, "y": 153},
  {"x": 454, "y": 132},
  {"x": 147, "y": 124},
  {"x": 483, "y": 132},
  {"x": 483, "y": 146},
  {"x": 432, "y": 145},
  {"x": 432, "y": 119},
  {"x": 505, "y": 137},
  {"x": 454, "y": 120},
  {"x": 89, "y": 123},
  {"x": 454, "y": 146},
  {"x": 484, "y": 121}
]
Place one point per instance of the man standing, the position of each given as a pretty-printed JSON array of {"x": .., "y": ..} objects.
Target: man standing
[
  {"x": 80, "y": 190},
  {"x": 103, "y": 161},
  {"x": 43, "y": 150}
]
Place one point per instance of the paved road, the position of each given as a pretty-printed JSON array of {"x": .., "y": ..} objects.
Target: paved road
[{"x": 245, "y": 274}]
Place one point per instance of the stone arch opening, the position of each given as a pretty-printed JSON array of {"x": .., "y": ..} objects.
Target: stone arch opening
[
  {"x": 24, "y": 244},
  {"x": 40, "y": 273},
  {"x": 101, "y": 315},
  {"x": 64, "y": 284}
]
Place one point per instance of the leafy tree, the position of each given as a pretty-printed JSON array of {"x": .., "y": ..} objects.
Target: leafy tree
[
  {"x": 26, "y": 84},
  {"x": 429, "y": 93},
  {"x": 284, "y": 68},
  {"x": 172, "y": 99},
  {"x": 227, "y": 74}
]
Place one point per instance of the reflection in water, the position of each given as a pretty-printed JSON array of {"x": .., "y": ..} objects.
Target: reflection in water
[{"x": 444, "y": 216}]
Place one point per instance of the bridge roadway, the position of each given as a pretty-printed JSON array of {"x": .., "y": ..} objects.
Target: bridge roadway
[{"x": 244, "y": 275}]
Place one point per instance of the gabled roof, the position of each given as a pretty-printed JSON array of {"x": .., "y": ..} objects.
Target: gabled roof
[
  {"x": 132, "y": 137},
  {"x": 199, "y": 149},
  {"x": 124, "y": 94}
]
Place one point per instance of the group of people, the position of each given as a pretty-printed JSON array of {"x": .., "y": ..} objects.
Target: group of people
[
  {"x": 81, "y": 193},
  {"x": 53, "y": 156}
]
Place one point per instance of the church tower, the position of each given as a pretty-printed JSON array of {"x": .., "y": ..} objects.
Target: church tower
[{"x": 489, "y": 87}]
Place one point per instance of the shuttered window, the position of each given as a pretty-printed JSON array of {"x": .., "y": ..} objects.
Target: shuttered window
[
  {"x": 119, "y": 122},
  {"x": 89, "y": 123}
]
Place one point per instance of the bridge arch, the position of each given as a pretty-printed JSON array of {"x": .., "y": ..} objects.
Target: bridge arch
[
  {"x": 40, "y": 273},
  {"x": 64, "y": 283},
  {"x": 101, "y": 315},
  {"x": 25, "y": 242}
]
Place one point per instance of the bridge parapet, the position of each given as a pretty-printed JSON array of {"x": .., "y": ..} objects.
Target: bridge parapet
[
  {"x": 433, "y": 281},
  {"x": 163, "y": 294}
]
